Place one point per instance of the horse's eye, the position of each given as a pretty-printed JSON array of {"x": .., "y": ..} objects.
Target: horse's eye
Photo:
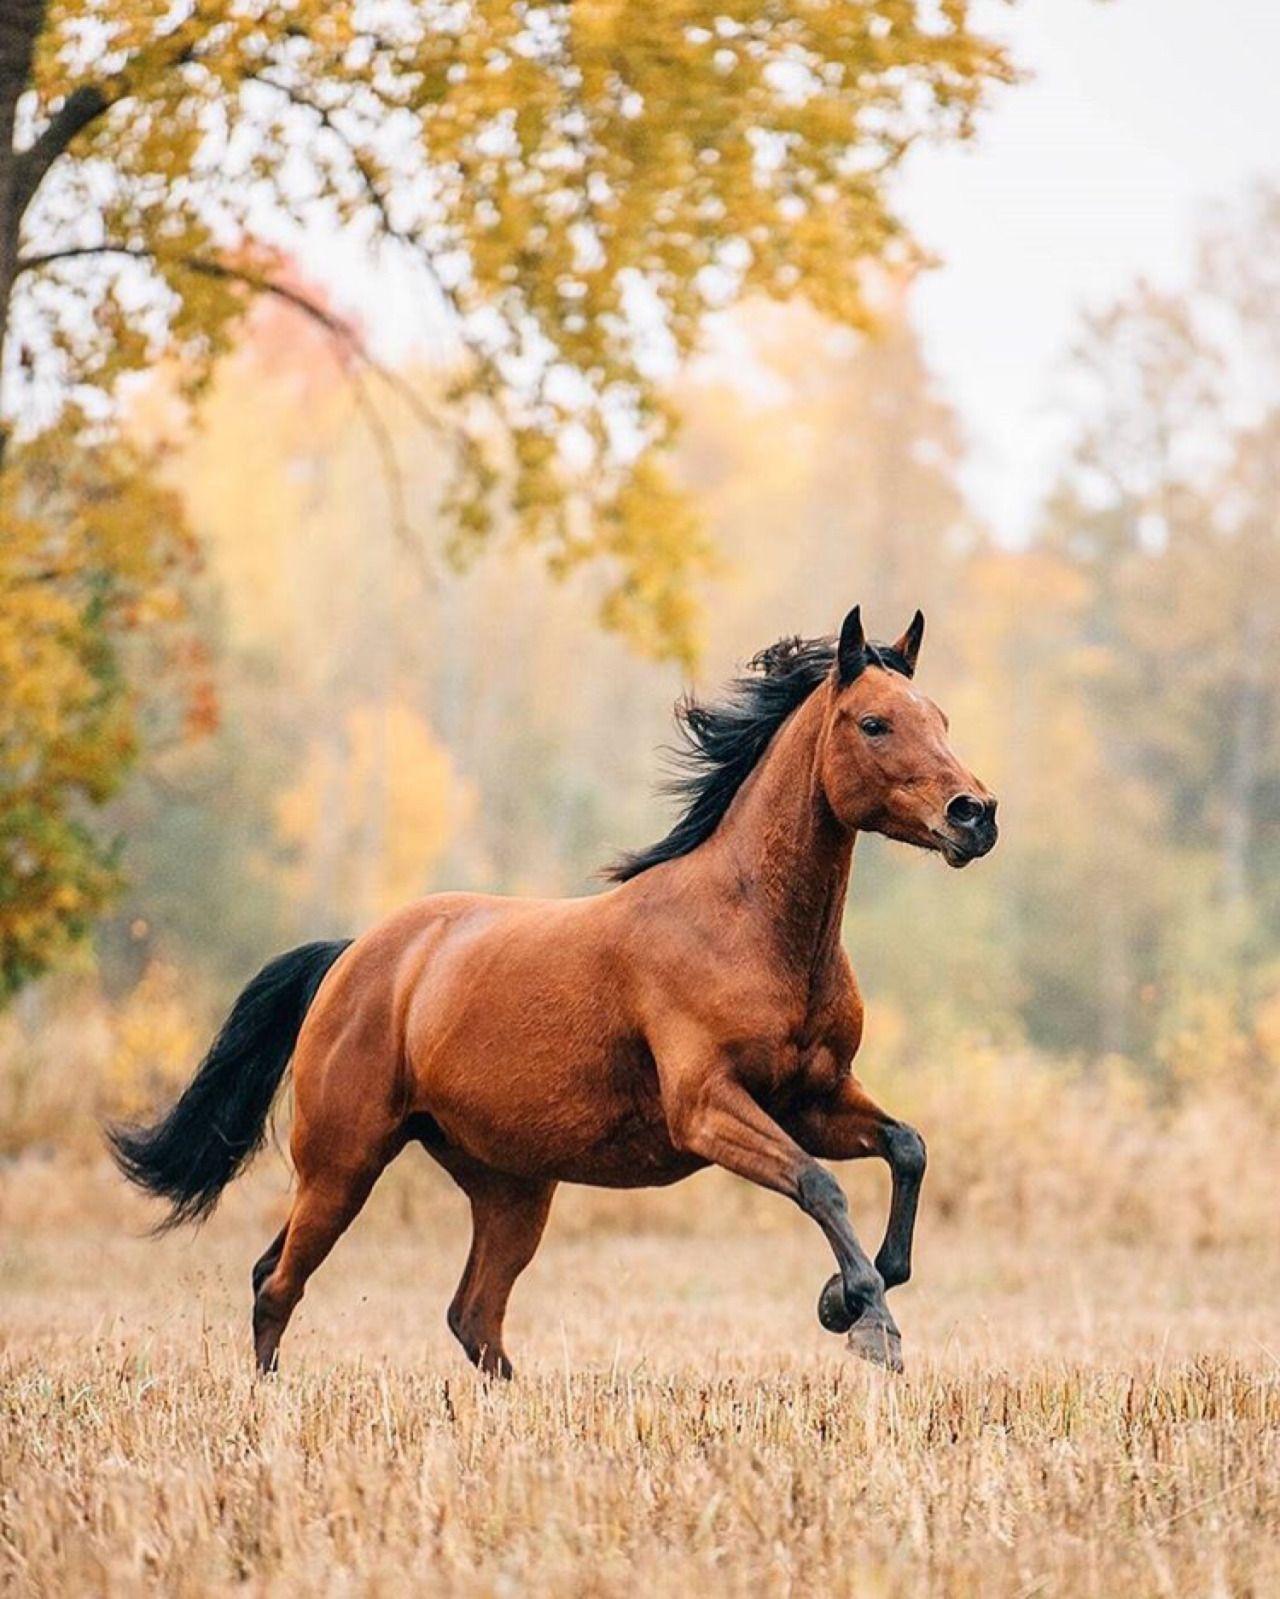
[{"x": 874, "y": 726}]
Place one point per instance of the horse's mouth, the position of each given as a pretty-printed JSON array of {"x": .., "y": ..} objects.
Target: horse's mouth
[{"x": 957, "y": 852}]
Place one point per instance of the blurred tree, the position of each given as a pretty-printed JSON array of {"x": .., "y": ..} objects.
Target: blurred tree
[
  {"x": 857, "y": 497},
  {"x": 579, "y": 183},
  {"x": 1169, "y": 510},
  {"x": 93, "y": 561},
  {"x": 366, "y": 823}
]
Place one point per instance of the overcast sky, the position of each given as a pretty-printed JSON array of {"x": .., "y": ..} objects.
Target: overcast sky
[{"x": 1139, "y": 114}]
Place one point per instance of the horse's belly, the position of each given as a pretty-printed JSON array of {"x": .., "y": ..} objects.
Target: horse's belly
[
  {"x": 570, "y": 1109},
  {"x": 637, "y": 1153},
  {"x": 570, "y": 1129}
]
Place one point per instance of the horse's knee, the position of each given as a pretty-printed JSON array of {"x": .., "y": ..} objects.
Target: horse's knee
[
  {"x": 905, "y": 1151},
  {"x": 818, "y": 1193}
]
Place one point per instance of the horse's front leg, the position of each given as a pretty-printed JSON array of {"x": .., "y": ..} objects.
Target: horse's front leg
[
  {"x": 848, "y": 1125},
  {"x": 711, "y": 1115}
]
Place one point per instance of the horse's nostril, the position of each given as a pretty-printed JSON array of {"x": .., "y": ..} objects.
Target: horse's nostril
[{"x": 966, "y": 810}]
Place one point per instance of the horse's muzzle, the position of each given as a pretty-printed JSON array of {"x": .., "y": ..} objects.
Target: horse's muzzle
[{"x": 970, "y": 831}]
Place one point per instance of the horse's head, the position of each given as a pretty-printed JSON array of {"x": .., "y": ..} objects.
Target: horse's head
[{"x": 888, "y": 766}]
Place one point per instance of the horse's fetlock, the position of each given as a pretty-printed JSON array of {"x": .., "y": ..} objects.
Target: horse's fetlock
[{"x": 894, "y": 1270}]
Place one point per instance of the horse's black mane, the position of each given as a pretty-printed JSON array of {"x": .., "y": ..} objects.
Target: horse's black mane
[{"x": 723, "y": 741}]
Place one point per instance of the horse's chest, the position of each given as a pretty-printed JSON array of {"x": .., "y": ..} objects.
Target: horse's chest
[
  {"x": 810, "y": 1062},
  {"x": 810, "y": 1070}
]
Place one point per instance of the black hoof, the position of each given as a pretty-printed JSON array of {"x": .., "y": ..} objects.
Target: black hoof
[{"x": 833, "y": 1312}]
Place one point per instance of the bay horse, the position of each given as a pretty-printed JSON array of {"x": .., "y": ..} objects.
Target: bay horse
[{"x": 701, "y": 1011}]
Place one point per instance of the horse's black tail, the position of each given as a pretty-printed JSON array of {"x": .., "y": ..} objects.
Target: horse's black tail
[{"x": 189, "y": 1156}]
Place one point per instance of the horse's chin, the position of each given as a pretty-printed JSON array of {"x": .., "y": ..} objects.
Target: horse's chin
[
  {"x": 934, "y": 842},
  {"x": 955, "y": 855}
]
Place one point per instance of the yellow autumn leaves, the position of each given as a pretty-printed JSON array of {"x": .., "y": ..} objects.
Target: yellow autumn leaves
[
  {"x": 93, "y": 556},
  {"x": 376, "y": 803}
]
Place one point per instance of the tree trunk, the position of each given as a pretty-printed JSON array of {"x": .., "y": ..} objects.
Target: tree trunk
[{"x": 20, "y": 24}]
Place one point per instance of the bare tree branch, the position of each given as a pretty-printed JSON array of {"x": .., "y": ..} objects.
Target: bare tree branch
[
  {"x": 86, "y": 103},
  {"x": 202, "y": 267},
  {"x": 336, "y": 326},
  {"x": 81, "y": 107},
  {"x": 392, "y": 476},
  {"x": 377, "y": 199},
  {"x": 343, "y": 338}
]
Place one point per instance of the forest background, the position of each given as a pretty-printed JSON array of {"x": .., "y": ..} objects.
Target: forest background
[{"x": 292, "y": 634}]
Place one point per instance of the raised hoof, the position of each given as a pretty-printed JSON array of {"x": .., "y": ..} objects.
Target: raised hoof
[
  {"x": 876, "y": 1342},
  {"x": 833, "y": 1313}
]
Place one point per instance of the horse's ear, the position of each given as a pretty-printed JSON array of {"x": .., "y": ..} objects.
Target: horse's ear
[
  {"x": 908, "y": 646},
  {"x": 851, "y": 652}
]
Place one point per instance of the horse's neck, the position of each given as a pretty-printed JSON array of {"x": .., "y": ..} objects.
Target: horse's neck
[{"x": 785, "y": 846}]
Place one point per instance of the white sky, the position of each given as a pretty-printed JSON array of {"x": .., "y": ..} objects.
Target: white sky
[{"x": 1140, "y": 113}]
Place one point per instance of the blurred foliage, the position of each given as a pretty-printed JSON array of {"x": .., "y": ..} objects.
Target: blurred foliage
[
  {"x": 372, "y": 811},
  {"x": 153, "y": 1028},
  {"x": 94, "y": 558},
  {"x": 578, "y": 184},
  {"x": 1167, "y": 518}
]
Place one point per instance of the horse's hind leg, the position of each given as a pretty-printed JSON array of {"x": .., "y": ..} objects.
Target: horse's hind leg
[
  {"x": 347, "y": 1126},
  {"x": 508, "y": 1216},
  {"x": 325, "y": 1207},
  {"x": 268, "y": 1260}
]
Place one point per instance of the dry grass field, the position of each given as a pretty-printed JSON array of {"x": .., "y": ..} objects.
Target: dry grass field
[{"x": 1084, "y": 1413}]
